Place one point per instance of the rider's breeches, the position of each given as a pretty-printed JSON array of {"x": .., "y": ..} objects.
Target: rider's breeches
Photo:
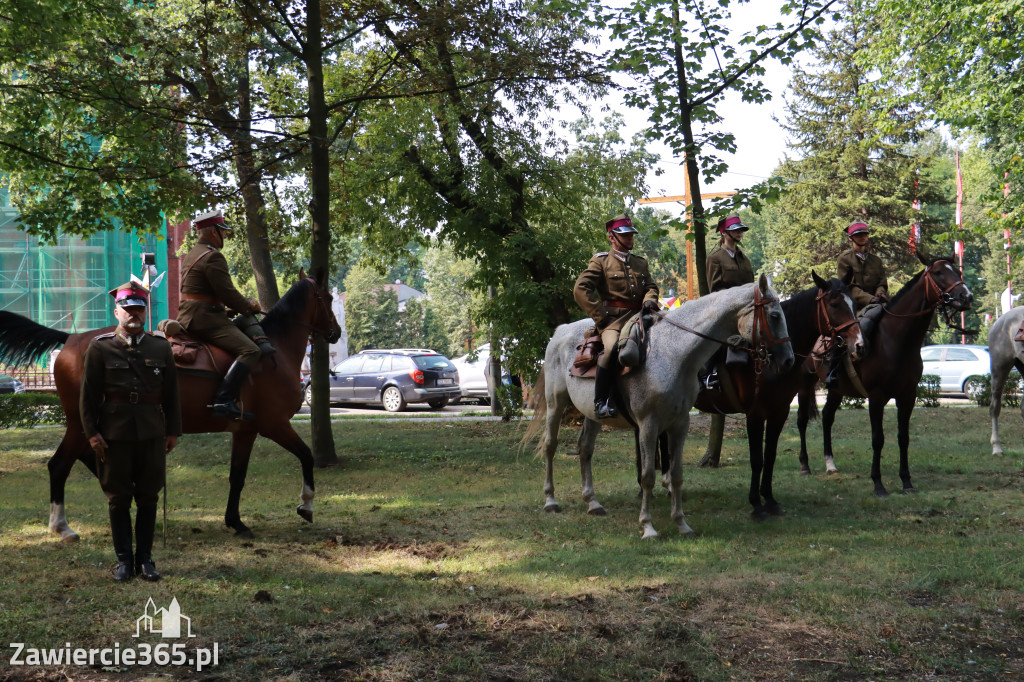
[
  {"x": 133, "y": 469},
  {"x": 609, "y": 338}
]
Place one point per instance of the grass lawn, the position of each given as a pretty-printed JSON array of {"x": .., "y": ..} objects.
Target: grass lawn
[{"x": 431, "y": 558}]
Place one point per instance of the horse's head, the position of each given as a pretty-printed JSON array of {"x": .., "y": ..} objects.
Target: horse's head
[
  {"x": 835, "y": 314},
  {"x": 322, "y": 320},
  {"x": 763, "y": 325},
  {"x": 944, "y": 284}
]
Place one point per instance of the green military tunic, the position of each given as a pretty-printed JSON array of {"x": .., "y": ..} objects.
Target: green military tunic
[
  {"x": 130, "y": 397},
  {"x": 726, "y": 271},
  {"x": 614, "y": 286},
  {"x": 869, "y": 278},
  {"x": 206, "y": 274}
]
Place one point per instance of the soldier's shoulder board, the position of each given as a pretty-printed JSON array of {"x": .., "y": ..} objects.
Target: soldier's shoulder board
[
  {"x": 600, "y": 254},
  {"x": 108, "y": 335},
  {"x": 637, "y": 256}
]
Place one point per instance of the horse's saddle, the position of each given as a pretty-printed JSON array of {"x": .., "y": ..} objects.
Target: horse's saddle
[
  {"x": 192, "y": 354},
  {"x": 631, "y": 349}
]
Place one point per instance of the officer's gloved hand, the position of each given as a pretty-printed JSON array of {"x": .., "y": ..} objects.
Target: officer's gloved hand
[
  {"x": 254, "y": 306},
  {"x": 650, "y": 306}
]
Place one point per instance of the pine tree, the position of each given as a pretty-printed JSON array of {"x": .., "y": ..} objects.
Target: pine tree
[{"x": 850, "y": 166}]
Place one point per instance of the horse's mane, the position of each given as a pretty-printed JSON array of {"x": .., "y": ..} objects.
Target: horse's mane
[
  {"x": 796, "y": 323},
  {"x": 693, "y": 312},
  {"x": 279, "y": 318},
  {"x": 905, "y": 288}
]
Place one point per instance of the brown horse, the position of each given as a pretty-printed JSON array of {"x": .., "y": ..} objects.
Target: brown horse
[
  {"x": 823, "y": 310},
  {"x": 273, "y": 395},
  {"x": 892, "y": 367}
]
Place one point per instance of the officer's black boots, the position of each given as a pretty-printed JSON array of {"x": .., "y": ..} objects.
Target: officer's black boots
[
  {"x": 145, "y": 524},
  {"x": 224, "y": 402},
  {"x": 603, "y": 407},
  {"x": 121, "y": 530}
]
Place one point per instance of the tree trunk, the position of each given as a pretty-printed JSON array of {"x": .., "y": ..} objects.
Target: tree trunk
[
  {"x": 319, "y": 211},
  {"x": 692, "y": 172}
]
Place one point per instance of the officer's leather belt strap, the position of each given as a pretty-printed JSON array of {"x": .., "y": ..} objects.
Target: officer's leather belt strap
[
  {"x": 622, "y": 304},
  {"x": 133, "y": 398},
  {"x": 203, "y": 298}
]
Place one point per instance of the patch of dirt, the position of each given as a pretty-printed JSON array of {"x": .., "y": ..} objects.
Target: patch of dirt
[{"x": 431, "y": 551}]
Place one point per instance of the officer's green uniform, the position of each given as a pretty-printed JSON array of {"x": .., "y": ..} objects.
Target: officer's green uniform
[
  {"x": 869, "y": 279},
  {"x": 207, "y": 277},
  {"x": 621, "y": 283},
  {"x": 129, "y": 396},
  {"x": 726, "y": 271}
]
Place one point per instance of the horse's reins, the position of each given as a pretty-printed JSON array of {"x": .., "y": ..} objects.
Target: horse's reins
[
  {"x": 827, "y": 330},
  {"x": 323, "y": 331}
]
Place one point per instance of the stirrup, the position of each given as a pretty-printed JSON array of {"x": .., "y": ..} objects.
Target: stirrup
[
  {"x": 711, "y": 382},
  {"x": 605, "y": 410},
  {"x": 230, "y": 411}
]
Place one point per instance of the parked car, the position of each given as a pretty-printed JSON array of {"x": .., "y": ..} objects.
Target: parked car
[
  {"x": 11, "y": 385},
  {"x": 394, "y": 377},
  {"x": 960, "y": 368},
  {"x": 473, "y": 379}
]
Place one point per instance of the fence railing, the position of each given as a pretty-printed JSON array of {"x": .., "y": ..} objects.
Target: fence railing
[{"x": 35, "y": 378}]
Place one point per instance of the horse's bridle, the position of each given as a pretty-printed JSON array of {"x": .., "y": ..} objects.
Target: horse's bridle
[
  {"x": 941, "y": 301},
  {"x": 322, "y": 306},
  {"x": 763, "y": 331},
  {"x": 833, "y": 334}
]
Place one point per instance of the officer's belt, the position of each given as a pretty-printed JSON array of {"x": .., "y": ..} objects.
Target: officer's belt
[
  {"x": 202, "y": 298},
  {"x": 133, "y": 398},
  {"x": 622, "y": 304}
]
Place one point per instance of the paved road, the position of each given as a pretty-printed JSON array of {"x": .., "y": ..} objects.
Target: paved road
[{"x": 413, "y": 410}]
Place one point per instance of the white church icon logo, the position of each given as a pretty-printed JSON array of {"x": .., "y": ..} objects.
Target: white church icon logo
[{"x": 164, "y": 622}]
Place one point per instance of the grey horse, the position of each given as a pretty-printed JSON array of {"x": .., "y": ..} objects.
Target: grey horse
[
  {"x": 658, "y": 396},
  {"x": 1004, "y": 355}
]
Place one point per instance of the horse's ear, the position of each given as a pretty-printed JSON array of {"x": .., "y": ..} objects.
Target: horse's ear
[
  {"x": 321, "y": 281},
  {"x": 819, "y": 282},
  {"x": 921, "y": 256},
  {"x": 302, "y": 274},
  {"x": 762, "y": 283},
  {"x": 848, "y": 277}
]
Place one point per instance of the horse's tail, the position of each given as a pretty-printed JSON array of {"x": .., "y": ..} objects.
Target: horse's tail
[
  {"x": 806, "y": 406},
  {"x": 539, "y": 403},
  {"x": 23, "y": 341}
]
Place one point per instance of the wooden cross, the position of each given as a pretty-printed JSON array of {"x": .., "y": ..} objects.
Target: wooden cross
[{"x": 686, "y": 199}]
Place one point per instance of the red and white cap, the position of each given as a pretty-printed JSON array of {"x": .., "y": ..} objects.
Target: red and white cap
[
  {"x": 210, "y": 219},
  {"x": 130, "y": 294},
  {"x": 856, "y": 227},
  {"x": 620, "y": 224},
  {"x": 731, "y": 222}
]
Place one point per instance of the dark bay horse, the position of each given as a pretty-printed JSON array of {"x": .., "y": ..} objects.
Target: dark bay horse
[
  {"x": 658, "y": 395},
  {"x": 273, "y": 395},
  {"x": 892, "y": 367},
  {"x": 825, "y": 309}
]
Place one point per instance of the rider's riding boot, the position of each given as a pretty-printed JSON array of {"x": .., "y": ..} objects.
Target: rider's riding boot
[
  {"x": 121, "y": 532},
  {"x": 145, "y": 525},
  {"x": 224, "y": 402},
  {"x": 832, "y": 379},
  {"x": 603, "y": 407}
]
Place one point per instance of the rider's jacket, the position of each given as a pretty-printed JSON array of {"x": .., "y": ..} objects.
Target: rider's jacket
[
  {"x": 614, "y": 285},
  {"x": 726, "y": 271},
  {"x": 869, "y": 279}
]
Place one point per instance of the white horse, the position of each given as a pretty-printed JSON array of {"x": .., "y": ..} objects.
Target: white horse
[
  {"x": 658, "y": 395},
  {"x": 1004, "y": 355}
]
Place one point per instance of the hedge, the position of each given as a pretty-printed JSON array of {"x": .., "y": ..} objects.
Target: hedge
[{"x": 25, "y": 410}]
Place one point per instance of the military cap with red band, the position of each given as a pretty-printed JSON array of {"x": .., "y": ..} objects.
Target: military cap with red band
[
  {"x": 620, "y": 224},
  {"x": 130, "y": 294},
  {"x": 857, "y": 227},
  {"x": 731, "y": 222},
  {"x": 210, "y": 219}
]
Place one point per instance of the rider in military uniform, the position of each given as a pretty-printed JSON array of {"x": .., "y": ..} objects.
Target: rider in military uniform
[
  {"x": 206, "y": 290},
  {"x": 727, "y": 267},
  {"x": 131, "y": 415},
  {"x": 869, "y": 287},
  {"x": 622, "y": 285}
]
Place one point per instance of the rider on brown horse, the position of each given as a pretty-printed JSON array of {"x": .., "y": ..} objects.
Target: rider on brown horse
[
  {"x": 206, "y": 292},
  {"x": 623, "y": 286}
]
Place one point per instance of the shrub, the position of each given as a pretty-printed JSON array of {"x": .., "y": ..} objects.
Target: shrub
[
  {"x": 851, "y": 402},
  {"x": 25, "y": 410},
  {"x": 928, "y": 391}
]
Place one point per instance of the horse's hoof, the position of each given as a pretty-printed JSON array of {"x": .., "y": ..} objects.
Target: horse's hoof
[
  {"x": 775, "y": 510},
  {"x": 996, "y": 451},
  {"x": 649, "y": 534},
  {"x": 597, "y": 511},
  {"x": 69, "y": 537},
  {"x": 243, "y": 532},
  {"x": 306, "y": 514},
  {"x": 805, "y": 471},
  {"x": 686, "y": 531},
  {"x": 552, "y": 507},
  {"x": 881, "y": 492},
  {"x": 759, "y": 515},
  {"x": 909, "y": 490}
]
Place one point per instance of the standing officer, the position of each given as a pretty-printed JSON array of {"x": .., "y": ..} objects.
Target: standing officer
[
  {"x": 131, "y": 415},
  {"x": 206, "y": 290},
  {"x": 622, "y": 285}
]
